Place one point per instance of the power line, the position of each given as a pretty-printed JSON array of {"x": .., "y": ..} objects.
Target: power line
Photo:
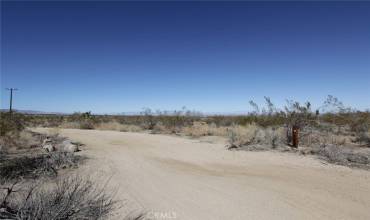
[{"x": 11, "y": 98}]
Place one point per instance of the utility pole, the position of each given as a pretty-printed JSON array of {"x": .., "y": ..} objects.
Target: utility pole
[{"x": 11, "y": 98}]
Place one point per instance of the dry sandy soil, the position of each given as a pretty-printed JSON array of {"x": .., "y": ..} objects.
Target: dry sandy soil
[{"x": 179, "y": 178}]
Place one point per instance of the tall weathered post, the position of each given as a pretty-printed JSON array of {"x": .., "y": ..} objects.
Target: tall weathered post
[
  {"x": 11, "y": 98},
  {"x": 11, "y": 101},
  {"x": 295, "y": 131}
]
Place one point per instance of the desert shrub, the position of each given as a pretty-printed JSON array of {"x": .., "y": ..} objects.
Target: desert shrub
[
  {"x": 242, "y": 135},
  {"x": 294, "y": 115},
  {"x": 326, "y": 134},
  {"x": 79, "y": 121},
  {"x": 215, "y": 130},
  {"x": 274, "y": 137},
  {"x": 333, "y": 153},
  {"x": 256, "y": 137},
  {"x": 360, "y": 122},
  {"x": 28, "y": 139},
  {"x": 70, "y": 197},
  {"x": 174, "y": 121},
  {"x": 130, "y": 128},
  {"x": 62, "y": 160},
  {"x": 364, "y": 138},
  {"x": 23, "y": 167},
  {"x": 298, "y": 116},
  {"x": 268, "y": 138},
  {"x": 198, "y": 129},
  {"x": 344, "y": 155},
  {"x": 20, "y": 140},
  {"x": 8, "y": 141},
  {"x": 113, "y": 125},
  {"x": 159, "y": 128},
  {"x": 37, "y": 165},
  {"x": 68, "y": 124},
  {"x": 87, "y": 124},
  {"x": 11, "y": 123},
  {"x": 116, "y": 126},
  {"x": 148, "y": 119}
]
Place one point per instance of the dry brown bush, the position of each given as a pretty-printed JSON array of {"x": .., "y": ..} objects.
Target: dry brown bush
[
  {"x": 28, "y": 139},
  {"x": 315, "y": 137},
  {"x": 86, "y": 124},
  {"x": 116, "y": 126},
  {"x": 159, "y": 128},
  {"x": 34, "y": 166},
  {"x": 256, "y": 137},
  {"x": 69, "y": 197},
  {"x": 343, "y": 155},
  {"x": 198, "y": 129},
  {"x": 74, "y": 125},
  {"x": 24, "y": 139},
  {"x": 215, "y": 130},
  {"x": 242, "y": 135},
  {"x": 364, "y": 138}
]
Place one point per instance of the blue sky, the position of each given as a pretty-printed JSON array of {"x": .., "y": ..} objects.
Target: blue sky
[{"x": 208, "y": 56}]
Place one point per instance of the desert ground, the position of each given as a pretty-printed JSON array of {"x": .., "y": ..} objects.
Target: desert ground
[{"x": 180, "y": 178}]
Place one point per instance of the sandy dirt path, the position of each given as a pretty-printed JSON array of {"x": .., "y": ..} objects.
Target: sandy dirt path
[{"x": 179, "y": 178}]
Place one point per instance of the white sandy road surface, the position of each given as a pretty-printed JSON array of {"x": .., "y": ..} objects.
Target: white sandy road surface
[{"x": 180, "y": 178}]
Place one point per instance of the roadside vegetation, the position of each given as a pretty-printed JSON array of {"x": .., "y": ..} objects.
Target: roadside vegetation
[
  {"x": 31, "y": 184},
  {"x": 333, "y": 132}
]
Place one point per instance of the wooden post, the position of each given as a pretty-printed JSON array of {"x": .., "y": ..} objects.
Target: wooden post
[
  {"x": 295, "y": 130},
  {"x": 11, "y": 99}
]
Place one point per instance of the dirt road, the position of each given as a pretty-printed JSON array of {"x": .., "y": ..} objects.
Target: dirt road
[{"x": 180, "y": 178}]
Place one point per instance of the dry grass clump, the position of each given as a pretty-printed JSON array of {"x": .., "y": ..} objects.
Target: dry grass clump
[
  {"x": 337, "y": 149},
  {"x": 364, "y": 138},
  {"x": 62, "y": 160},
  {"x": 116, "y": 126},
  {"x": 242, "y": 135},
  {"x": 113, "y": 125},
  {"x": 274, "y": 137},
  {"x": 28, "y": 139},
  {"x": 215, "y": 130},
  {"x": 199, "y": 129},
  {"x": 110, "y": 125},
  {"x": 70, "y": 124},
  {"x": 255, "y": 137},
  {"x": 85, "y": 124},
  {"x": 69, "y": 197},
  {"x": 33, "y": 166},
  {"x": 23, "y": 167},
  {"x": 11, "y": 123},
  {"x": 342, "y": 155},
  {"x": 313, "y": 137},
  {"x": 24, "y": 139},
  {"x": 159, "y": 128}
]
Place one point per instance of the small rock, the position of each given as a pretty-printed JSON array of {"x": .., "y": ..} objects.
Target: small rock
[
  {"x": 68, "y": 146},
  {"x": 71, "y": 148}
]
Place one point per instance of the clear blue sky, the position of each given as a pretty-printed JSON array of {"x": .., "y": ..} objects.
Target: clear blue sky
[{"x": 208, "y": 56}]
